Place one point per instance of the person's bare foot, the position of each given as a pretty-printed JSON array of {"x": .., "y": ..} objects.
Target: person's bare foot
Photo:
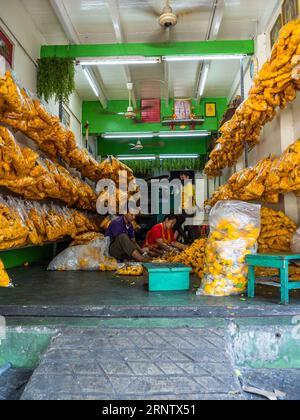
[{"x": 139, "y": 257}]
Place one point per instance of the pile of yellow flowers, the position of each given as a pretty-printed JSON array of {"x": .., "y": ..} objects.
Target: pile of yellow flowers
[
  {"x": 277, "y": 231},
  {"x": 25, "y": 173},
  {"x": 108, "y": 264},
  {"x": 275, "y": 86},
  {"x": 25, "y": 223},
  {"x": 131, "y": 270},
  {"x": 192, "y": 257},
  {"x": 22, "y": 113},
  {"x": 233, "y": 236},
  {"x": 4, "y": 278},
  {"x": 265, "y": 181}
]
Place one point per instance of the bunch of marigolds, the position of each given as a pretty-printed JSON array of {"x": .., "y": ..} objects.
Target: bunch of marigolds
[
  {"x": 131, "y": 270},
  {"x": 275, "y": 86},
  {"x": 192, "y": 257}
]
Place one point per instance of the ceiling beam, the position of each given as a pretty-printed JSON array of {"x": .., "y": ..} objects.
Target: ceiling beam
[
  {"x": 212, "y": 34},
  {"x": 148, "y": 50},
  {"x": 70, "y": 31},
  {"x": 65, "y": 21},
  {"x": 114, "y": 11},
  {"x": 102, "y": 97}
]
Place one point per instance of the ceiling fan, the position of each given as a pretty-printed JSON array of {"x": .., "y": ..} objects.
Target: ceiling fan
[
  {"x": 131, "y": 113},
  {"x": 138, "y": 146},
  {"x": 168, "y": 19}
]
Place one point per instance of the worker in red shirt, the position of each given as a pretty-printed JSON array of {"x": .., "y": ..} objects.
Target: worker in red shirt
[{"x": 162, "y": 237}]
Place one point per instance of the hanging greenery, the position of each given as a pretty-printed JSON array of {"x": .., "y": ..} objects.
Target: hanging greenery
[
  {"x": 56, "y": 78},
  {"x": 147, "y": 167}
]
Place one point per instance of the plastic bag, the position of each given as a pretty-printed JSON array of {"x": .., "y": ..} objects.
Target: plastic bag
[
  {"x": 13, "y": 229},
  {"x": 5, "y": 280},
  {"x": 24, "y": 112},
  {"x": 235, "y": 228},
  {"x": 25, "y": 173},
  {"x": 91, "y": 257}
]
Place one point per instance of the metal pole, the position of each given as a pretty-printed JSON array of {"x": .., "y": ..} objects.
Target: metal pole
[
  {"x": 242, "y": 79},
  {"x": 207, "y": 187},
  {"x": 60, "y": 110},
  {"x": 243, "y": 98}
]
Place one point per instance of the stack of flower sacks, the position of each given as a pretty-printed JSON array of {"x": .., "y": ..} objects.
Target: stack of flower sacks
[
  {"x": 275, "y": 86},
  {"x": 26, "y": 223},
  {"x": 25, "y": 173},
  {"x": 265, "y": 181},
  {"x": 125, "y": 185},
  {"x": 26, "y": 114},
  {"x": 277, "y": 231}
]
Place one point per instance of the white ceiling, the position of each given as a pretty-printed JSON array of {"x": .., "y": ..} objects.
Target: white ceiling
[{"x": 96, "y": 21}]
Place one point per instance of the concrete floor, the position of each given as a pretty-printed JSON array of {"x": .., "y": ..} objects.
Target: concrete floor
[
  {"x": 81, "y": 305},
  {"x": 90, "y": 294}
]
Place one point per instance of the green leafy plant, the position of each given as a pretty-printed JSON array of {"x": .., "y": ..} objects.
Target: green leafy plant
[
  {"x": 56, "y": 78},
  {"x": 147, "y": 167}
]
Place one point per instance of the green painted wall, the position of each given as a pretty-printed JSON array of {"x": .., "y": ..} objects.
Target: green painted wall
[
  {"x": 100, "y": 123},
  {"x": 18, "y": 257},
  {"x": 170, "y": 146}
]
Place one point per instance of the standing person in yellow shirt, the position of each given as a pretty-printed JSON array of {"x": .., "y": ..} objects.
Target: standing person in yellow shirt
[{"x": 188, "y": 193}]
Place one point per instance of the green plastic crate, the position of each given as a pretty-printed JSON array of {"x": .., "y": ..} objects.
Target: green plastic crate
[{"x": 168, "y": 277}]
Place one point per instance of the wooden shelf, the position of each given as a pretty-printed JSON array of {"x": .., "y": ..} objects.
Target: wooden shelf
[{"x": 196, "y": 121}]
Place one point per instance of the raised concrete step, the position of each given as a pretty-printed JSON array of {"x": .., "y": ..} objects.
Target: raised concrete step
[{"x": 134, "y": 364}]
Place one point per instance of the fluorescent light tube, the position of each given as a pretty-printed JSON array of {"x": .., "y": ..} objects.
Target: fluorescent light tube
[
  {"x": 111, "y": 61},
  {"x": 128, "y": 135},
  {"x": 192, "y": 156},
  {"x": 183, "y": 134},
  {"x": 91, "y": 82},
  {"x": 204, "y": 57},
  {"x": 162, "y": 134},
  {"x": 136, "y": 157},
  {"x": 203, "y": 79}
]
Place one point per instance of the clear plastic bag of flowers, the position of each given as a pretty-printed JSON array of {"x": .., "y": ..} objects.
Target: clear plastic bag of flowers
[{"x": 235, "y": 228}]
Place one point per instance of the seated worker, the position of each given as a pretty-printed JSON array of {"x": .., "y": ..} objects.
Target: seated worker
[
  {"x": 161, "y": 236},
  {"x": 123, "y": 245}
]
